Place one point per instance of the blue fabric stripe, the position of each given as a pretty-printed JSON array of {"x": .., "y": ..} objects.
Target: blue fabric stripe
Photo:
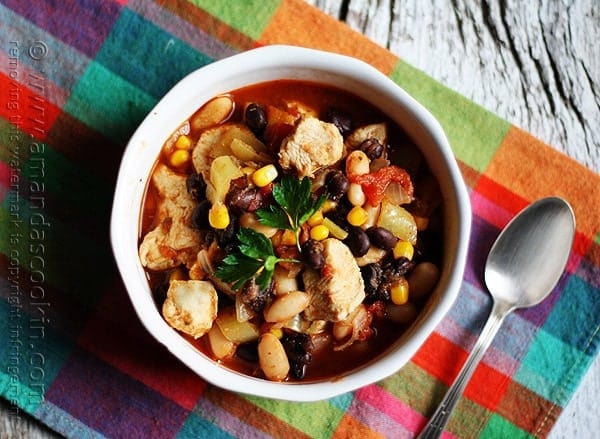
[
  {"x": 198, "y": 427},
  {"x": 128, "y": 408},
  {"x": 63, "y": 423},
  {"x": 146, "y": 56}
]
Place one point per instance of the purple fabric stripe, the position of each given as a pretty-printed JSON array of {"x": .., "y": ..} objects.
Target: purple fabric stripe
[
  {"x": 83, "y": 24},
  {"x": 62, "y": 64},
  {"x": 181, "y": 29},
  {"x": 376, "y": 420},
  {"x": 128, "y": 408},
  {"x": 482, "y": 237}
]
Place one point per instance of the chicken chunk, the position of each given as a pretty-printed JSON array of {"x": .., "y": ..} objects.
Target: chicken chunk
[
  {"x": 338, "y": 288},
  {"x": 191, "y": 306},
  {"x": 173, "y": 242},
  {"x": 312, "y": 145}
]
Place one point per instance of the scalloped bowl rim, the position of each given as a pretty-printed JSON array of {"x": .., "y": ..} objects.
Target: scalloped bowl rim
[{"x": 259, "y": 65}]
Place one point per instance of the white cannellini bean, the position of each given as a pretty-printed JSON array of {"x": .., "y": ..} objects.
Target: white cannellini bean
[
  {"x": 220, "y": 346},
  {"x": 272, "y": 358},
  {"x": 286, "y": 306},
  {"x": 422, "y": 279},
  {"x": 357, "y": 163},
  {"x": 213, "y": 112},
  {"x": 355, "y": 194},
  {"x": 250, "y": 221}
]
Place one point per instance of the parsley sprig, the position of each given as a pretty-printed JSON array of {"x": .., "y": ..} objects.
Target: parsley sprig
[
  {"x": 294, "y": 205},
  {"x": 255, "y": 258}
]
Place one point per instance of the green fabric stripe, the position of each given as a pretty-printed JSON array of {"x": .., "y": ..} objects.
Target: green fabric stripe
[
  {"x": 54, "y": 253},
  {"x": 473, "y": 132},
  {"x": 410, "y": 383},
  {"x": 501, "y": 427},
  {"x": 65, "y": 180},
  {"x": 467, "y": 418},
  {"x": 108, "y": 103},
  {"x": 14, "y": 144},
  {"x": 247, "y": 16},
  {"x": 31, "y": 355},
  {"x": 317, "y": 419}
]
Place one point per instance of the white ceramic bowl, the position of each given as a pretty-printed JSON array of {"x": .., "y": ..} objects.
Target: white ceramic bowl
[{"x": 265, "y": 64}]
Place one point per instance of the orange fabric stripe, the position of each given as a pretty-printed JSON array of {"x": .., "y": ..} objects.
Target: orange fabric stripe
[
  {"x": 495, "y": 383},
  {"x": 210, "y": 24},
  {"x": 527, "y": 410},
  {"x": 350, "y": 428},
  {"x": 440, "y": 358},
  {"x": 297, "y": 24},
  {"x": 531, "y": 169}
]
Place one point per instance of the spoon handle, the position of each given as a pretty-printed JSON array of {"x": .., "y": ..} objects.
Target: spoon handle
[{"x": 438, "y": 421}]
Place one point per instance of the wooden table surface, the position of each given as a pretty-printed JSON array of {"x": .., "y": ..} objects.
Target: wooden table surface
[{"x": 536, "y": 63}]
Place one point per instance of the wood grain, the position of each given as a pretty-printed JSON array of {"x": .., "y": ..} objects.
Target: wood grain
[{"x": 535, "y": 63}]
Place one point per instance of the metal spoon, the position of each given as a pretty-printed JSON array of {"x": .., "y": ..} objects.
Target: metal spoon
[{"x": 522, "y": 268}]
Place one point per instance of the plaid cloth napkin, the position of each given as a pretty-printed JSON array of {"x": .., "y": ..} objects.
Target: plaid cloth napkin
[{"x": 78, "y": 76}]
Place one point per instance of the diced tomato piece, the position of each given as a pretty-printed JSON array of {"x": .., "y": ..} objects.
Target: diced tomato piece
[{"x": 374, "y": 184}]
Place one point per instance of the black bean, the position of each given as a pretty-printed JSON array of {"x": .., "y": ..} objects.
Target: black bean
[
  {"x": 357, "y": 241},
  {"x": 196, "y": 186},
  {"x": 248, "y": 352},
  {"x": 337, "y": 184},
  {"x": 382, "y": 237},
  {"x": 256, "y": 118},
  {"x": 372, "y": 148},
  {"x": 243, "y": 199},
  {"x": 313, "y": 254},
  {"x": 200, "y": 215},
  {"x": 298, "y": 348},
  {"x": 227, "y": 237},
  {"x": 396, "y": 268},
  {"x": 341, "y": 120},
  {"x": 372, "y": 275},
  {"x": 252, "y": 296}
]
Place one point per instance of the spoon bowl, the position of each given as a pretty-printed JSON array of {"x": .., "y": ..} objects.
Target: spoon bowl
[
  {"x": 522, "y": 268},
  {"x": 524, "y": 271}
]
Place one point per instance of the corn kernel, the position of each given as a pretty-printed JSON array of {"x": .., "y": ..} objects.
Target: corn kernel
[
  {"x": 264, "y": 175},
  {"x": 328, "y": 206},
  {"x": 277, "y": 332},
  {"x": 288, "y": 237},
  {"x": 399, "y": 292},
  {"x": 218, "y": 216},
  {"x": 248, "y": 170},
  {"x": 403, "y": 249},
  {"x": 179, "y": 158},
  {"x": 319, "y": 232},
  {"x": 316, "y": 218},
  {"x": 183, "y": 142},
  {"x": 357, "y": 216},
  {"x": 335, "y": 230}
]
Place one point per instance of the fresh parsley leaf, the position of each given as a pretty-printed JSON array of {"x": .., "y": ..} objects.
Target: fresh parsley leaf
[
  {"x": 255, "y": 258},
  {"x": 237, "y": 269},
  {"x": 274, "y": 216},
  {"x": 254, "y": 245},
  {"x": 295, "y": 204}
]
